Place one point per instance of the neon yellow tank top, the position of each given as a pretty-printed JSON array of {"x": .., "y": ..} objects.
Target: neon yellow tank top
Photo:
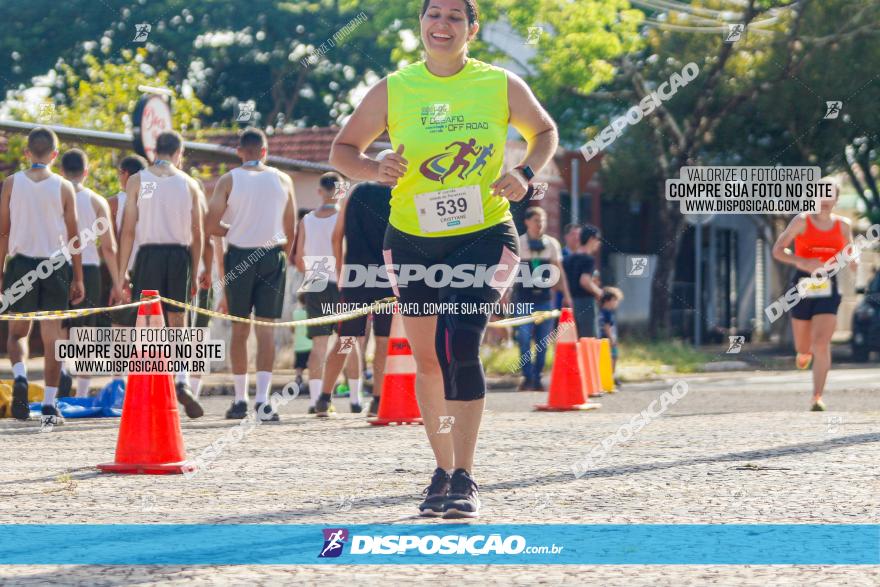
[{"x": 453, "y": 130}]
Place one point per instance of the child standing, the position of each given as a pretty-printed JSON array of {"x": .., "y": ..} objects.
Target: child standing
[{"x": 608, "y": 303}]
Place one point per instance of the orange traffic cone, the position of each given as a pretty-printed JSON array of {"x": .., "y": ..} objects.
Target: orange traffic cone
[
  {"x": 398, "y": 405},
  {"x": 149, "y": 440},
  {"x": 595, "y": 380},
  {"x": 566, "y": 388},
  {"x": 585, "y": 364}
]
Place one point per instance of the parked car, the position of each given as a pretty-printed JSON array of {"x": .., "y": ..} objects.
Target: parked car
[{"x": 866, "y": 322}]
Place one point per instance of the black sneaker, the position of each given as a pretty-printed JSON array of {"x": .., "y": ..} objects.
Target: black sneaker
[
  {"x": 271, "y": 417},
  {"x": 238, "y": 411},
  {"x": 311, "y": 409},
  {"x": 374, "y": 406},
  {"x": 50, "y": 417},
  {"x": 322, "y": 406},
  {"x": 356, "y": 408},
  {"x": 463, "y": 500},
  {"x": 65, "y": 385},
  {"x": 190, "y": 403},
  {"x": 435, "y": 495},
  {"x": 20, "y": 408}
]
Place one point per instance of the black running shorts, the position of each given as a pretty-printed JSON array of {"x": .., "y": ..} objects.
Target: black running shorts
[
  {"x": 496, "y": 246},
  {"x": 255, "y": 281},
  {"x": 808, "y": 307}
]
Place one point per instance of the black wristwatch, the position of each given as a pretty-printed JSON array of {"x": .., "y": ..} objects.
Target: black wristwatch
[{"x": 527, "y": 172}]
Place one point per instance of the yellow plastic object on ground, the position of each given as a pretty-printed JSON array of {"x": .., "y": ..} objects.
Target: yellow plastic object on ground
[{"x": 606, "y": 369}]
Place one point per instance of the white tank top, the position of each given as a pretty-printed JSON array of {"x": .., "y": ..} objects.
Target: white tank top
[
  {"x": 318, "y": 242},
  {"x": 255, "y": 208},
  {"x": 37, "y": 217},
  {"x": 86, "y": 217},
  {"x": 165, "y": 216}
]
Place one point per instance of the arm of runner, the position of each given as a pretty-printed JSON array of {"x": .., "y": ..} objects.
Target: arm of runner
[
  {"x": 197, "y": 245},
  {"x": 220, "y": 292},
  {"x": 780, "y": 249},
  {"x": 109, "y": 251},
  {"x": 68, "y": 204},
  {"x": 337, "y": 239},
  {"x": 208, "y": 244},
  {"x": 539, "y": 131},
  {"x": 289, "y": 221},
  {"x": 129, "y": 220},
  {"x": 5, "y": 225},
  {"x": 369, "y": 120},
  {"x": 298, "y": 255},
  {"x": 217, "y": 207}
]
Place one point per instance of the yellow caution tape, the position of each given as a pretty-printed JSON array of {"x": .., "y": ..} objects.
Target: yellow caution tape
[
  {"x": 350, "y": 315},
  {"x": 61, "y": 314},
  {"x": 537, "y": 317}
]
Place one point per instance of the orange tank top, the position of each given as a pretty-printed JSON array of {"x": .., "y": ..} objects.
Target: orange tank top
[{"x": 813, "y": 243}]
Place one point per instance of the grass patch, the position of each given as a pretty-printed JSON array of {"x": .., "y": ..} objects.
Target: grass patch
[
  {"x": 639, "y": 359},
  {"x": 674, "y": 354}
]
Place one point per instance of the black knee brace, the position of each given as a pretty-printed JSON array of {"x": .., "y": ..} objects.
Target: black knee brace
[{"x": 458, "y": 351}]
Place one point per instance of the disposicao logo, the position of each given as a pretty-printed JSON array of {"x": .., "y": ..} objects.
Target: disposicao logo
[{"x": 334, "y": 539}]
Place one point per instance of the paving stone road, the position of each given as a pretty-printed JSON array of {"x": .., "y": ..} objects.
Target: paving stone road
[{"x": 738, "y": 448}]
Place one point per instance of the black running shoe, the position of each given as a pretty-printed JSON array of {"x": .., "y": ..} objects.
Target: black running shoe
[
  {"x": 356, "y": 408},
  {"x": 20, "y": 408},
  {"x": 374, "y": 406},
  {"x": 322, "y": 406},
  {"x": 238, "y": 411},
  {"x": 435, "y": 495},
  {"x": 463, "y": 500},
  {"x": 50, "y": 417},
  {"x": 272, "y": 414},
  {"x": 65, "y": 385},
  {"x": 312, "y": 409},
  {"x": 190, "y": 403}
]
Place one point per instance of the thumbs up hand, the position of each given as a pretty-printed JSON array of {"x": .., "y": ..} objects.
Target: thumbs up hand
[{"x": 392, "y": 166}]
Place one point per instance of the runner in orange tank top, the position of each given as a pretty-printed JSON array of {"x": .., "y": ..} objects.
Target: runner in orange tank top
[{"x": 817, "y": 238}]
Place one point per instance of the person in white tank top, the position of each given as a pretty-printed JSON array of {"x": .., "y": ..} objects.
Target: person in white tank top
[
  {"x": 319, "y": 289},
  {"x": 254, "y": 207},
  {"x": 37, "y": 217},
  {"x": 129, "y": 165},
  {"x": 163, "y": 215},
  {"x": 93, "y": 217}
]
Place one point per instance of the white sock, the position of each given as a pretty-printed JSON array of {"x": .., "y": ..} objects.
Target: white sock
[
  {"x": 182, "y": 377},
  {"x": 19, "y": 370},
  {"x": 82, "y": 386},
  {"x": 354, "y": 391},
  {"x": 314, "y": 391},
  {"x": 264, "y": 382},
  {"x": 196, "y": 383},
  {"x": 49, "y": 396},
  {"x": 241, "y": 387}
]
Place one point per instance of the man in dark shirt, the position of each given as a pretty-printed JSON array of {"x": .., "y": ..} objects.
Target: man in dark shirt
[{"x": 579, "y": 268}]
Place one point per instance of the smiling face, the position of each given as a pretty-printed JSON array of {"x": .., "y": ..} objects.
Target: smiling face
[{"x": 446, "y": 28}]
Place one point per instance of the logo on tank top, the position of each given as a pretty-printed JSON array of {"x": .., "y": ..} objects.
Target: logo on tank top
[
  {"x": 440, "y": 118},
  {"x": 460, "y": 158}
]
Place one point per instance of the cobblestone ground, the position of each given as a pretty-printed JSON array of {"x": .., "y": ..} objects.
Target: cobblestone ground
[{"x": 712, "y": 458}]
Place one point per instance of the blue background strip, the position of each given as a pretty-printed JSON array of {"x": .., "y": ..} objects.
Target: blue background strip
[{"x": 179, "y": 544}]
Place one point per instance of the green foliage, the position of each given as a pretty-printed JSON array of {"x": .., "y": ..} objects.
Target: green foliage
[{"x": 103, "y": 98}]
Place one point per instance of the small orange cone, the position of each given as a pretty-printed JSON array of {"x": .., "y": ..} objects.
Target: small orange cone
[
  {"x": 595, "y": 379},
  {"x": 566, "y": 387},
  {"x": 586, "y": 366},
  {"x": 398, "y": 405},
  {"x": 149, "y": 440}
]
